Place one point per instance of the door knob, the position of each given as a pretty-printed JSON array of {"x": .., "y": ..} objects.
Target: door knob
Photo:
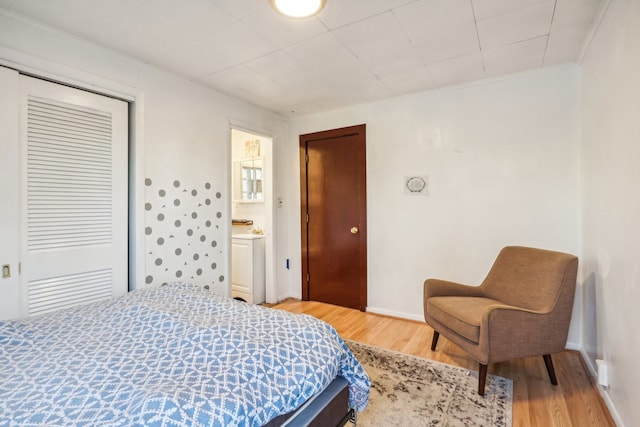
[{"x": 354, "y": 230}]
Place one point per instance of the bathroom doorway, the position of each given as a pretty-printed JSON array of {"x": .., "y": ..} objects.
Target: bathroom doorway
[{"x": 252, "y": 269}]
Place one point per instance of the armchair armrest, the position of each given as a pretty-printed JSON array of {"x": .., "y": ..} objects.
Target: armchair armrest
[
  {"x": 437, "y": 287},
  {"x": 538, "y": 333}
]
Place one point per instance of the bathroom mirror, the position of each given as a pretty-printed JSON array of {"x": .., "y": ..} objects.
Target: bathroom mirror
[{"x": 248, "y": 180}]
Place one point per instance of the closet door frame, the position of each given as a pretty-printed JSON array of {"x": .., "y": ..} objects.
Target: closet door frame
[{"x": 54, "y": 72}]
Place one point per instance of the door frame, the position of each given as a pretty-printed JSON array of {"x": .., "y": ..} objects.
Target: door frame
[
  {"x": 360, "y": 132},
  {"x": 271, "y": 294}
]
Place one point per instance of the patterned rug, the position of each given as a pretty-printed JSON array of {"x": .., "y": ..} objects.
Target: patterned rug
[{"x": 410, "y": 391}]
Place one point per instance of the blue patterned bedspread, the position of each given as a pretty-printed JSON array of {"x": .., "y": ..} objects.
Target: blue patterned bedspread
[{"x": 173, "y": 356}]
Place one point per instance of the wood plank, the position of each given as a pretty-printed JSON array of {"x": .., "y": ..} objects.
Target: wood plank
[{"x": 575, "y": 401}]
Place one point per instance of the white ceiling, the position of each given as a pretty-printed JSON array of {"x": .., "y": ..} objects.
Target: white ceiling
[{"x": 354, "y": 51}]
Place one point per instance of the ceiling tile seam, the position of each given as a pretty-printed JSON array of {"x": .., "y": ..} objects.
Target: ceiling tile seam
[
  {"x": 475, "y": 23},
  {"x": 244, "y": 64},
  {"x": 598, "y": 16},
  {"x": 357, "y": 58},
  {"x": 423, "y": 63},
  {"x": 546, "y": 45},
  {"x": 353, "y": 22}
]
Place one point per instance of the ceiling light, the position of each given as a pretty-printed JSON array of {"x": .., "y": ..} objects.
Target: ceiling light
[{"x": 298, "y": 8}]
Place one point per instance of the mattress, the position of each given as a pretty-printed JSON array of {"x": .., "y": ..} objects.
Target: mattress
[{"x": 172, "y": 356}]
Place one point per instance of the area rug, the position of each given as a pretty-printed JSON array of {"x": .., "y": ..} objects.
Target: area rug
[{"x": 411, "y": 391}]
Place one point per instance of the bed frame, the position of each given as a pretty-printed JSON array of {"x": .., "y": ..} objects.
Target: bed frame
[{"x": 328, "y": 408}]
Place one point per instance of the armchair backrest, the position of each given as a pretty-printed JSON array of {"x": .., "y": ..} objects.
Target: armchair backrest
[{"x": 531, "y": 278}]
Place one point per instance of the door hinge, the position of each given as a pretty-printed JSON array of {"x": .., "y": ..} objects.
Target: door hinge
[
  {"x": 306, "y": 158},
  {"x": 307, "y": 218},
  {"x": 308, "y": 278}
]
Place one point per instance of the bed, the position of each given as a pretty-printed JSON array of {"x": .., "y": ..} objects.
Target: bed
[{"x": 176, "y": 356}]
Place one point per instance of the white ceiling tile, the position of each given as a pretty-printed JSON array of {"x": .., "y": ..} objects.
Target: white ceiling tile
[
  {"x": 241, "y": 8},
  {"x": 277, "y": 66},
  {"x": 281, "y": 31},
  {"x": 453, "y": 42},
  {"x": 85, "y": 16},
  {"x": 353, "y": 51},
  {"x": 484, "y": 9},
  {"x": 182, "y": 13},
  {"x": 371, "y": 45},
  {"x": 241, "y": 79},
  {"x": 404, "y": 76},
  {"x": 337, "y": 13},
  {"x": 526, "y": 55},
  {"x": 574, "y": 15},
  {"x": 529, "y": 23},
  {"x": 422, "y": 18},
  {"x": 320, "y": 49},
  {"x": 239, "y": 42},
  {"x": 458, "y": 70},
  {"x": 564, "y": 47}
]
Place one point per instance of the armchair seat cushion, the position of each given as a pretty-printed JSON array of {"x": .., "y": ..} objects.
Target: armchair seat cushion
[{"x": 461, "y": 314}]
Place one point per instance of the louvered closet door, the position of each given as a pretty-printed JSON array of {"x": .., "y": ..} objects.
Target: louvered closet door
[{"x": 74, "y": 196}]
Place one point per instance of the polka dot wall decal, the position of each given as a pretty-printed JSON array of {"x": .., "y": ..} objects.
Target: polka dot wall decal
[
  {"x": 221, "y": 278},
  {"x": 148, "y": 280},
  {"x": 195, "y": 208}
]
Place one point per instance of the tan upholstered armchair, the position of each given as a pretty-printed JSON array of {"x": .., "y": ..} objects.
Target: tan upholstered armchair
[{"x": 522, "y": 308}]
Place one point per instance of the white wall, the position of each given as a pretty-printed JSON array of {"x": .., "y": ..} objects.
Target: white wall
[
  {"x": 611, "y": 209},
  {"x": 503, "y": 165},
  {"x": 183, "y": 130}
]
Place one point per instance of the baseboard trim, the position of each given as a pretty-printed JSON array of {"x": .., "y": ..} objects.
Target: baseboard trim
[
  {"x": 604, "y": 393},
  {"x": 391, "y": 313}
]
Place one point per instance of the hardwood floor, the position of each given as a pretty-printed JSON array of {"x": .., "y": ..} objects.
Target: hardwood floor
[{"x": 575, "y": 401}]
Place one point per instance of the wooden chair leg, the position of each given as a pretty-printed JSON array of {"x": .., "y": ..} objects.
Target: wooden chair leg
[
  {"x": 482, "y": 378},
  {"x": 552, "y": 373},
  {"x": 434, "y": 340}
]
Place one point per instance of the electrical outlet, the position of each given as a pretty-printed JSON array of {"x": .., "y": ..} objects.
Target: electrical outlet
[{"x": 6, "y": 271}]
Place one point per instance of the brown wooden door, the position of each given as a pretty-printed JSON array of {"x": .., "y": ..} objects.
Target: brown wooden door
[{"x": 334, "y": 225}]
